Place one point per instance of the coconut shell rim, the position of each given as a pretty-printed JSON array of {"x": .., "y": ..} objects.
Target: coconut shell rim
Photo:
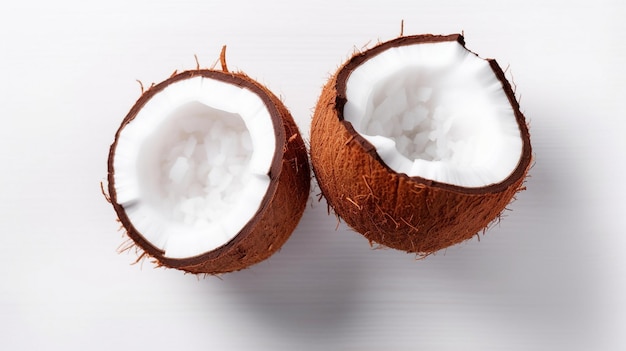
[
  {"x": 340, "y": 84},
  {"x": 237, "y": 79}
]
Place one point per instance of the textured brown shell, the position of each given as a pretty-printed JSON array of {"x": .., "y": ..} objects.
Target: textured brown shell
[
  {"x": 281, "y": 208},
  {"x": 392, "y": 209}
]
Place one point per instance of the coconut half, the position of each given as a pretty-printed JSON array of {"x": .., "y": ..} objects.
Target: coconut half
[
  {"x": 418, "y": 143},
  {"x": 208, "y": 172}
]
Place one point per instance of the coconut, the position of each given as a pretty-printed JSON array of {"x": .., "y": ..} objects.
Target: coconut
[
  {"x": 418, "y": 143},
  {"x": 208, "y": 172}
]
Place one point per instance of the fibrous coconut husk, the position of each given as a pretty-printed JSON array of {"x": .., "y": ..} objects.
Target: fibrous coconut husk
[
  {"x": 280, "y": 210},
  {"x": 391, "y": 209}
]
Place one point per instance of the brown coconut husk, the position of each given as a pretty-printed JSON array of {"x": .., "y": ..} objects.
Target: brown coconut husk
[
  {"x": 280, "y": 210},
  {"x": 391, "y": 209}
]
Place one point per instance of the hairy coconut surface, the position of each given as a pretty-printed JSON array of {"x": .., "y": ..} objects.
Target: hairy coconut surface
[
  {"x": 208, "y": 172},
  {"x": 395, "y": 167}
]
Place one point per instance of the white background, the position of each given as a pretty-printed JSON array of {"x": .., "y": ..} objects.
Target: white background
[{"x": 551, "y": 276}]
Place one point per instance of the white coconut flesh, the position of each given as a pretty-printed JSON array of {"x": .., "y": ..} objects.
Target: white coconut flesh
[
  {"x": 437, "y": 111},
  {"x": 192, "y": 168}
]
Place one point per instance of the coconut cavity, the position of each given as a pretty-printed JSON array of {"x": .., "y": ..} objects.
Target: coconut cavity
[
  {"x": 202, "y": 157},
  {"x": 192, "y": 166},
  {"x": 437, "y": 111}
]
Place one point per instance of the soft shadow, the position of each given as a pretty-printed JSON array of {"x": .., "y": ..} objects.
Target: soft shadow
[
  {"x": 533, "y": 272},
  {"x": 308, "y": 288}
]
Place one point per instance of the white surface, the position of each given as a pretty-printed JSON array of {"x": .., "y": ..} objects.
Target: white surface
[{"x": 551, "y": 276}]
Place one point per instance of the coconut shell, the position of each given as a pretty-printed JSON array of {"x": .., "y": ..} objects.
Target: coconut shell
[
  {"x": 391, "y": 209},
  {"x": 280, "y": 210}
]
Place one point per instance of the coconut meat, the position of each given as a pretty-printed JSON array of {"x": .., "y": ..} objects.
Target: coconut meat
[
  {"x": 437, "y": 111},
  {"x": 191, "y": 169}
]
